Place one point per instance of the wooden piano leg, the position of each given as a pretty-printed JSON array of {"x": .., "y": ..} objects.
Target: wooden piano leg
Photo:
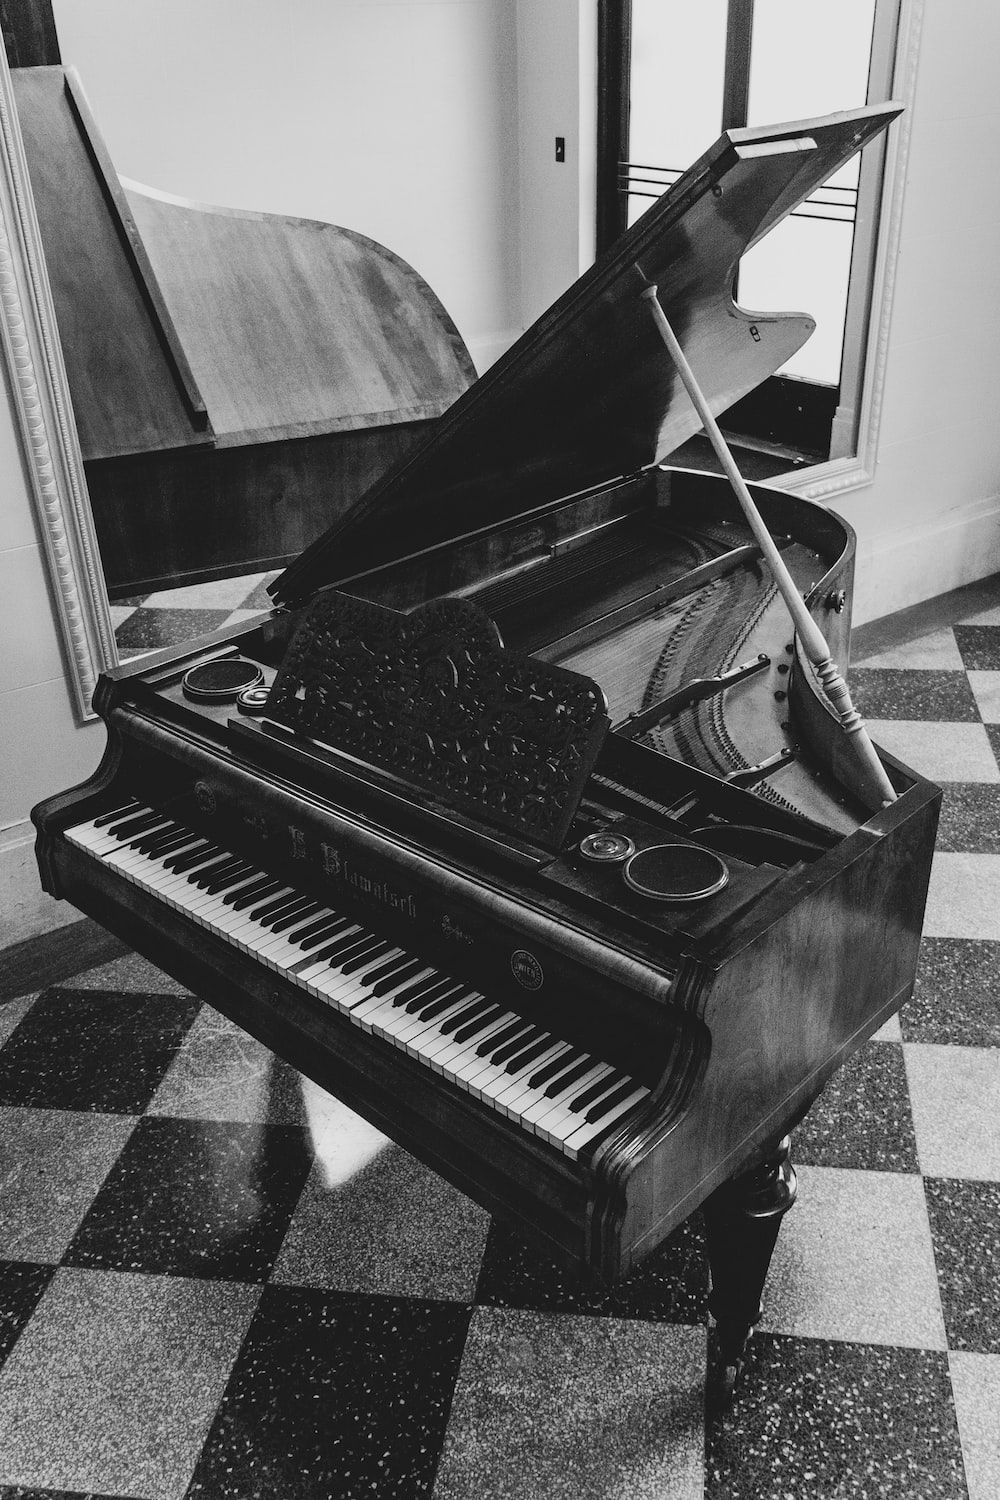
[{"x": 742, "y": 1220}]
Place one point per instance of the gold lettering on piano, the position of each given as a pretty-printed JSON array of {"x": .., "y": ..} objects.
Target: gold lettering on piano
[
  {"x": 367, "y": 886},
  {"x": 451, "y": 929},
  {"x": 298, "y": 838},
  {"x": 205, "y": 798}
]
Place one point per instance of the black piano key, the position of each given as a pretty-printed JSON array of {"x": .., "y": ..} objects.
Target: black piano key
[
  {"x": 220, "y": 870},
  {"x": 508, "y": 1050},
  {"x": 130, "y": 825},
  {"x": 557, "y": 1064},
  {"x": 115, "y": 813},
  {"x": 560, "y": 1084},
  {"x": 179, "y": 863},
  {"x": 292, "y": 919},
  {"x": 355, "y": 958},
  {"x": 270, "y": 888},
  {"x": 474, "y": 1011},
  {"x": 451, "y": 997},
  {"x": 437, "y": 1000},
  {"x": 224, "y": 879},
  {"x": 251, "y": 892},
  {"x": 418, "y": 994},
  {"x": 528, "y": 1054},
  {"x": 141, "y": 837},
  {"x": 205, "y": 870},
  {"x": 391, "y": 966},
  {"x": 596, "y": 1091},
  {"x": 282, "y": 898},
  {"x": 363, "y": 960},
  {"x": 342, "y": 948},
  {"x": 487, "y": 1048},
  {"x": 157, "y": 836},
  {"x": 605, "y": 1106},
  {"x": 158, "y": 848},
  {"x": 289, "y": 908},
  {"x": 397, "y": 976},
  {"x": 471, "y": 1027},
  {"x": 319, "y": 932}
]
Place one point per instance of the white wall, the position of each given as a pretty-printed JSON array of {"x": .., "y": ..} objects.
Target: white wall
[
  {"x": 931, "y": 520},
  {"x": 42, "y": 750},
  {"x": 397, "y": 118}
]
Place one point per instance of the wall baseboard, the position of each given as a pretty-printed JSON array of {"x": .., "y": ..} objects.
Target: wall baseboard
[{"x": 903, "y": 568}]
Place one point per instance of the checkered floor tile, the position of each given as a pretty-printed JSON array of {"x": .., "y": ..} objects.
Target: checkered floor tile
[
  {"x": 216, "y": 1281},
  {"x": 149, "y": 622}
]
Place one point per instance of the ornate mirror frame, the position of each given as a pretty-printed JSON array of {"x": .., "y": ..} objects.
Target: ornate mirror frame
[{"x": 44, "y": 412}]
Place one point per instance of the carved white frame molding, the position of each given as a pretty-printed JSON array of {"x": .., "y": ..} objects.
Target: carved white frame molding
[
  {"x": 828, "y": 480},
  {"x": 44, "y": 413}
]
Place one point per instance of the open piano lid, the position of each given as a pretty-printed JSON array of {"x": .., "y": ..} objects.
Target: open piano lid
[{"x": 589, "y": 393}]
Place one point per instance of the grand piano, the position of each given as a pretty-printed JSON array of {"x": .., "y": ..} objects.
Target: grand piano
[{"x": 531, "y": 833}]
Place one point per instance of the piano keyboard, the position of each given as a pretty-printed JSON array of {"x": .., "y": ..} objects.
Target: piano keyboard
[{"x": 544, "y": 1084}]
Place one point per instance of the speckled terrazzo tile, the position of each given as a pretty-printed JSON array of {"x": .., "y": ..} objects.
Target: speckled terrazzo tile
[
  {"x": 12, "y": 1013},
  {"x": 965, "y": 1225},
  {"x": 93, "y": 1050},
  {"x": 988, "y": 616},
  {"x": 819, "y": 1421},
  {"x": 854, "y": 1262},
  {"x": 935, "y": 651},
  {"x": 130, "y": 974},
  {"x": 956, "y": 998},
  {"x": 993, "y": 735},
  {"x": 955, "y": 1095},
  {"x": 21, "y": 1286},
  {"x": 203, "y": 1198},
  {"x": 979, "y": 646},
  {"x": 222, "y": 1073},
  {"x": 217, "y": 593},
  {"x": 970, "y": 817},
  {"x": 975, "y": 1384},
  {"x": 334, "y": 1395},
  {"x": 19, "y": 1492},
  {"x": 963, "y": 900},
  {"x": 114, "y": 1383},
  {"x": 52, "y": 1163},
  {"x": 151, "y": 629},
  {"x": 986, "y": 691},
  {"x": 941, "y": 752},
  {"x": 888, "y": 693},
  {"x": 557, "y": 1406},
  {"x": 862, "y": 1118},
  {"x": 670, "y": 1286},
  {"x": 386, "y": 1225}
]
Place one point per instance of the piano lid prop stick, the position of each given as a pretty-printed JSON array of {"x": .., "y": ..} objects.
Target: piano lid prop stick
[{"x": 808, "y": 631}]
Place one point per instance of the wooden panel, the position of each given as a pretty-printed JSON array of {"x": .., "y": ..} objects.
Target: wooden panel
[
  {"x": 294, "y": 327},
  {"x": 589, "y": 393},
  {"x": 125, "y": 393}
]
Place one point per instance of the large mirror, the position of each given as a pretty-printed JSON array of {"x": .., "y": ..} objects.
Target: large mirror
[{"x": 306, "y": 358}]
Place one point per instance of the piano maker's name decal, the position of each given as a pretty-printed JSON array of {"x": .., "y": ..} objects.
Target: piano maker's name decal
[{"x": 380, "y": 892}]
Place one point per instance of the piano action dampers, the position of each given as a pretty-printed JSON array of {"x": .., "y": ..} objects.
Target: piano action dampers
[{"x": 433, "y": 697}]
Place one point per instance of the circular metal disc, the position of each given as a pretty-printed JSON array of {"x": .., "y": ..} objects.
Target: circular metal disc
[
  {"x": 220, "y": 681},
  {"x": 606, "y": 847},
  {"x": 675, "y": 872}
]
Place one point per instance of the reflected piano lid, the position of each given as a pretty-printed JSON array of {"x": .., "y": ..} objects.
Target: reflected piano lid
[{"x": 589, "y": 394}]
